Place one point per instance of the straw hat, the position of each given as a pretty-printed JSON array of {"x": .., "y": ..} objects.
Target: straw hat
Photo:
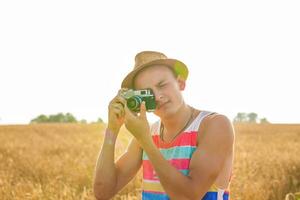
[{"x": 148, "y": 58}]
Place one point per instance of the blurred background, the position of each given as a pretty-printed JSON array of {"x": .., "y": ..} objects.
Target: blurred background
[{"x": 71, "y": 56}]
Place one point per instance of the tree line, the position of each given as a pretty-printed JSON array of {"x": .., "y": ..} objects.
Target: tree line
[
  {"x": 61, "y": 118},
  {"x": 249, "y": 118},
  {"x": 241, "y": 117}
]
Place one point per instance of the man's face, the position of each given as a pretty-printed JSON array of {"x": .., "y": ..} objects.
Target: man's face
[{"x": 165, "y": 86}]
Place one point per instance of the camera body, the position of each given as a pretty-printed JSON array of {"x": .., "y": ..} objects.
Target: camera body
[{"x": 135, "y": 98}]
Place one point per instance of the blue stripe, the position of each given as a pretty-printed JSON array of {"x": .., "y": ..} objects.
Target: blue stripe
[
  {"x": 175, "y": 152},
  {"x": 185, "y": 171},
  {"x": 214, "y": 196},
  {"x": 152, "y": 196}
]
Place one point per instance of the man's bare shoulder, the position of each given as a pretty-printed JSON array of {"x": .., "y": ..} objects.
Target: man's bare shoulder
[{"x": 217, "y": 130}]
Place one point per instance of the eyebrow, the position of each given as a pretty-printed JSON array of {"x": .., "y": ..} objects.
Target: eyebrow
[{"x": 160, "y": 82}]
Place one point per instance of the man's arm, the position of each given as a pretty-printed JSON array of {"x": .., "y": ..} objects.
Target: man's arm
[
  {"x": 206, "y": 163},
  {"x": 110, "y": 177}
]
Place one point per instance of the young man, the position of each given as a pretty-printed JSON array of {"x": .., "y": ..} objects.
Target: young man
[{"x": 187, "y": 154}]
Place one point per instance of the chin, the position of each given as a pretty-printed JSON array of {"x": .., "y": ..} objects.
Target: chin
[{"x": 165, "y": 113}]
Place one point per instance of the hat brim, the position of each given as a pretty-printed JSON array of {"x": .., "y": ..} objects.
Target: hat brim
[{"x": 179, "y": 68}]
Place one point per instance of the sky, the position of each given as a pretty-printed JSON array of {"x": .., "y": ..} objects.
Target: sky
[{"x": 71, "y": 56}]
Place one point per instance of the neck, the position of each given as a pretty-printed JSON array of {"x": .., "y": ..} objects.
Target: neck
[{"x": 172, "y": 124}]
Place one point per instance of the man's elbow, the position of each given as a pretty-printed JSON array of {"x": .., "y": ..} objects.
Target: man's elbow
[
  {"x": 101, "y": 192},
  {"x": 198, "y": 191}
]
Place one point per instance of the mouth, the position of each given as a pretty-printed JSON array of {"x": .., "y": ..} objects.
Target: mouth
[{"x": 161, "y": 105}]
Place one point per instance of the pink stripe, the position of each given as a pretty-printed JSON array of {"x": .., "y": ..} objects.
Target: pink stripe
[
  {"x": 185, "y": 139},
  {"x": 180, "y": 164},
  {"x": 155, "y": 192},
  {"x": 149, "y": 173}
]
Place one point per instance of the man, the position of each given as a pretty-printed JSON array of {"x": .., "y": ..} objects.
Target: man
[{"x": 187, "y": 154}]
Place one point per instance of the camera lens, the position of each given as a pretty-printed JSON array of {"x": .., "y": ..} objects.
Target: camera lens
[{"x": 134, "y": 103}]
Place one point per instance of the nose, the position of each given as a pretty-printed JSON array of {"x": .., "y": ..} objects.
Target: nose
[{"x": 158, "y": 96}]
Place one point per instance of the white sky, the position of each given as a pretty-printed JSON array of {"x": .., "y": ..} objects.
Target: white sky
[{"x": 71, "y": 56}]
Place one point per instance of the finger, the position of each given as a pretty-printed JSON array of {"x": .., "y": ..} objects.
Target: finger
[
  {"x": 143, "y": 110},
  {"x": 117, "y": 112},
  {"x": 119, "y": 99},
  {"x": 120, "y": 107},
  {"x": 122, "y": 90},
  {"x": 116, "y": 105}
]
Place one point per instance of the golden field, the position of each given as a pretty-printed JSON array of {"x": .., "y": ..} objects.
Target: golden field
[{"x": 56, "y": 161}]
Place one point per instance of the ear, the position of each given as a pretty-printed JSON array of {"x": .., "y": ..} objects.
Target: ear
[{"x": 181, "y": 83}]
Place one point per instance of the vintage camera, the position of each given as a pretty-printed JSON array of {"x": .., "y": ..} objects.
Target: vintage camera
[{"x": 134, "y": 99}]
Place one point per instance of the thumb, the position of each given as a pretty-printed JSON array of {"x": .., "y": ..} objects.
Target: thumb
[{"x": 143, "y": 110}]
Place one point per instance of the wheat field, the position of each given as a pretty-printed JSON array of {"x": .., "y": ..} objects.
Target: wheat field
[{"x": 56, "y": 161}]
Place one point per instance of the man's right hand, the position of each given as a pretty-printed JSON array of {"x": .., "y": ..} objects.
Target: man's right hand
[{"x": 116, "y": 112}]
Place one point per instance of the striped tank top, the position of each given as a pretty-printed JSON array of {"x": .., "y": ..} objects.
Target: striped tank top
[{"x": 178, "y": 153}]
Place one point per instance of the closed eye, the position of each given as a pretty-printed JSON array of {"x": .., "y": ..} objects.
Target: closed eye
[{"x": 161, "y": 84}]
